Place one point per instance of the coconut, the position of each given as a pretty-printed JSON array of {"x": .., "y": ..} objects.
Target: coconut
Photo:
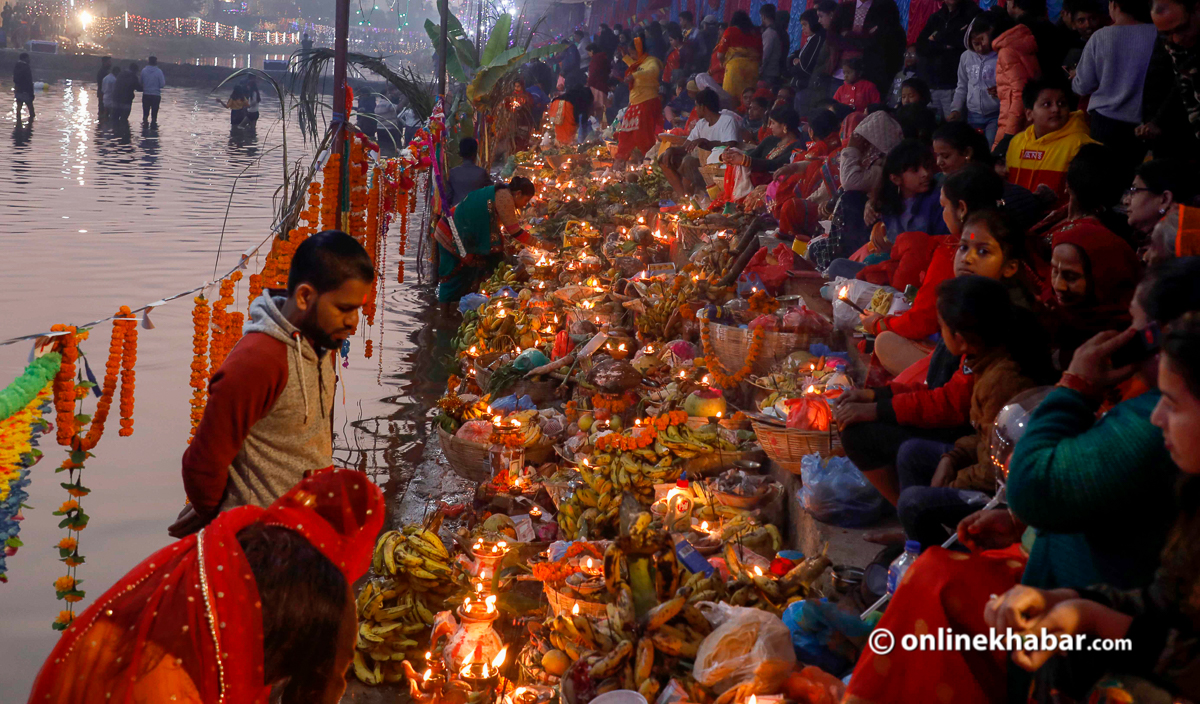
[
  {"x": 705, "y": 403},
  {"x": 614, "y": 376}
]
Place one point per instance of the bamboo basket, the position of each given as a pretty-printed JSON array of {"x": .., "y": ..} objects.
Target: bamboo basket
[
  {"x": 561, "y": 604},
  {"x": 470, "y": 459},
  {"x": 732, "y": 347},
  {"x": 787, "y": 446}
]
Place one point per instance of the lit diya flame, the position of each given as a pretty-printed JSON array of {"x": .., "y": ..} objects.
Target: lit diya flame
[
  {"x": 704, "y": 526},
  {"x": 811, "y": 389},
  {"x": 641, "y": 220},
  {"x": 575, "y": 610},
  {"x": 428, "y": 655},
  {"x": 478, "y": 545},
  {"x": 535, "y": 512},
  {"x": 704, "y": 380},
  {"x": 621, "y": 347},
  {"x": 496, "y": 420},
  {"x": 490, "y": 602},
  {"x": 427, "y": 675},
  {"x": 503, "y": 313},
  {"x": 473, "y": 351},
  {"x": 682, "y": 374},
  {"x": 758, "y": 571},
  {"x": 479, "y": 587},
  {"x": 499, "y": 659},
  {"x": 719, "y": 414}
]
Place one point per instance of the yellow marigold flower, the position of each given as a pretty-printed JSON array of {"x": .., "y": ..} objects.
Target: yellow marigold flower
[
  {"x": 69, "y": 506},
  {"x": 72, "y": 562},
  {"x": 64, "y": 583},
  {"x": 68, "y": 544},
  {"x": 65, "y": 618}
]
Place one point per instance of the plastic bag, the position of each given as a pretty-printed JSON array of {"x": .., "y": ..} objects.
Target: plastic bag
[
  {"x": 815, "y": 623},
  {"x": 845, "y": 316},
  {"x": 479, "y": 431},
  {"x": 531, "y": 358},
  {"x": 771, "y": 267},
  {"x": 810, "y": 412},
  {"x": 835, "y": 492},
  {"x": 748, "y": 645},
  {"x": 471, "y": 301},
  {"x": 511, "y": 404}
]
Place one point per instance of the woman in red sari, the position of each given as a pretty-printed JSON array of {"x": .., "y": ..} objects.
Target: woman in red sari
[
  {"x": 258, "y": 599},
  {"x": 740, "y": 53},
  {"x": 643, "y": 118}
]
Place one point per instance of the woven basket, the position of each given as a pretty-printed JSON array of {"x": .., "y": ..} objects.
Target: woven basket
[
  {"x": 561, "y": 604},
  {"x": 732, "y": 347},
  {"x": 470, "y": 459},
  {"x": 787, "y": 446}
]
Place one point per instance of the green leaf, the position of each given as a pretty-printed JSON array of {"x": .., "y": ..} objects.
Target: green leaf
[
  {"x": 86, "y": 385},
  {"x": 453, "y": 67},
  {"x": 487, "y": 78},
  {"x": 64, "y": 522},
  {"x": 83, "y": 419},
  {"x": 78, "y": 456},
  {"x": 497, "y": 40},
  {"x": 14, "y": 542}
]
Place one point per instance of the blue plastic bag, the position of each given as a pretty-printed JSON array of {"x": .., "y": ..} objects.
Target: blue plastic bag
[
  {"x": 820, "y": 349},
  {"x": 507, "y": 292},
  {"x": 471, "y": 301},
  {"x": 813, "y": 624},
  {"x": 512, "y": 404},
  {"x": 835, "y": 492}
]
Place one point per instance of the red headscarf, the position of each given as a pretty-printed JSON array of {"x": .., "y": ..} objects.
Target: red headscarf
[
  {"x": 188, "y": 619},
  {"x": 1113, "y": 267}
]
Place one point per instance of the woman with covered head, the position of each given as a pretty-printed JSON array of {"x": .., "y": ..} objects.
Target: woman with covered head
[
  {"x": 472, "y": 240},
  {"x": 642, "y": 120},
  {"x": 258, "y": 601},
  {"x": 861, "y": 169},
  {"x": 740, "y": 52}
]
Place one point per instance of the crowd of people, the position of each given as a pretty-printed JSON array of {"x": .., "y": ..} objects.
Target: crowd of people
[
  {"x": 1035, "y": 182},
  {"x": 20, "y": 24}
]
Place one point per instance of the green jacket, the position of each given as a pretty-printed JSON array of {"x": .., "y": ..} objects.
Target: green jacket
[{"x": 1098, "y": 492}]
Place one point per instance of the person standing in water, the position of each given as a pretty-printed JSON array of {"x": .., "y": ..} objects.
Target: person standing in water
[
  {"x": 105, "y": 70},
  {"x": 153, "y": 82},
  {"x": 23, "y": 86}
]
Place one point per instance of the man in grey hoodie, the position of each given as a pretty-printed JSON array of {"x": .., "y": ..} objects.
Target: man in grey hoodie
[{"x": 268, "y": 419}]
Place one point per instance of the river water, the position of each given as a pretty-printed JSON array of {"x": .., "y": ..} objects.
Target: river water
[{"x": 95, "y": 218}]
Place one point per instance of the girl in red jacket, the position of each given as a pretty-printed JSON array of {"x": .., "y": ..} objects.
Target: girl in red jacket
[{"x": 874, "y": 423}]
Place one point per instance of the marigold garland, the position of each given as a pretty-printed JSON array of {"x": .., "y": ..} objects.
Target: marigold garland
[
  {"x": 21, "y": 406},
  {"x": 64, "y": 383},
  {"x": 199, "y": 382},
  {"x": 723, "y": 378},
  {"x": 112, "y": 372}
]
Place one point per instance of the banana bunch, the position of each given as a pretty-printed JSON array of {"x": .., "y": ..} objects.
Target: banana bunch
[
  {"x": 501, "y": 326},
  {"x": 465, "y": 336},
  {"x": 530, "y": 429},
  {"x": 688, "y": 442},
  {"x": 765, "y": 591},
  {"x": 396, "y": 611},
  {"x": 622, "y": 653},
  {"x": 393, "y": 623},
  {"x": 504, "y": 275}
]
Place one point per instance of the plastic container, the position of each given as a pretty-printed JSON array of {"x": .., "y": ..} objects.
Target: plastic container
[
  {"x": 912, "y": 550},
  {"x": 620, "y": 696}
]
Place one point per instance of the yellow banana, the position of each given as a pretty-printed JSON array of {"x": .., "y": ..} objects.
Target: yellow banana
[
  {"x": 362, "y": 672},
  {"x": 664, "y": 612},
  {"x": 645, "y": 659},
  {"x": 611, "y": 662}
]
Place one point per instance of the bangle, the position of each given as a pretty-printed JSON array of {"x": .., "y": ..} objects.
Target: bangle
[{"x": 1075, "y": 382}]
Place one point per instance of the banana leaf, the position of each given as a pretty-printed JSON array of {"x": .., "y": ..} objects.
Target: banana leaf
[
  {"x": 497, "y": 41},
  {"x": 453, "y": 66},
  {"x": 487, "y": 78}
]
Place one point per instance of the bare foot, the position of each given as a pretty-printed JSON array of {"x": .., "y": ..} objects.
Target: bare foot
[{"x": 885, "y": 537}]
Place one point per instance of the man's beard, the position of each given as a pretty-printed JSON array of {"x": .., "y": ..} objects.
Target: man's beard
[{"x": 312, "y": 330}]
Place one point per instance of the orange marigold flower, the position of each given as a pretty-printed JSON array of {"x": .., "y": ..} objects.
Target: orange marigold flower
[
  {"x": 68, "y": 543},
  {"x": 65, "y": 618},
  {"x": 71, "y": 505},
  {"x": 64, "y": 583}
]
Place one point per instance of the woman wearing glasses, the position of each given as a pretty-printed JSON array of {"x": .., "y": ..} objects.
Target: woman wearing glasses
[{"x": 1158, "y": 185}]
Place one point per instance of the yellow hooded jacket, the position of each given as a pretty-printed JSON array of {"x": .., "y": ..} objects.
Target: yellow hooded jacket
[{"x": 1032, "y": 161}]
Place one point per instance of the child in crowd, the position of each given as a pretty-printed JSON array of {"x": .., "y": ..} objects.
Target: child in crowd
[
  {"x": 1016, "y": 65},
  {"x": 909, "y": 70},
  {"x": 975, "y": 95},
  {"x": 909, "y": 197},
  {"x": 1041, "y": 153},
  {"x": 915, "y": 91},
  {"x": 874, "y": 423},
  {"x": 857, "y": 93},
  {"x": 756, "y": 119},
  {"x": 942, "y": 483}
]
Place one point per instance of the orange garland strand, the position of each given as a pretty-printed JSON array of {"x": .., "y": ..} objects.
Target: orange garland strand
[
  {"x": 723, "y": 378},
  {"x": 128, "y": 376},
  {"x": 64, "y": 383},
  {"x": 200, "y": 323}
]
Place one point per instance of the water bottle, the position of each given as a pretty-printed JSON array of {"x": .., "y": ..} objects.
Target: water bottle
[{"x": 912, "y": 550}]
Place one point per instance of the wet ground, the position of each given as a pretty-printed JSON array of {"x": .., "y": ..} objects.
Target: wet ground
[{"x": 97, "y": 216}]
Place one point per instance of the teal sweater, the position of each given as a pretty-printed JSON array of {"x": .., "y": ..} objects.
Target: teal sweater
[{"x": 1100, "y": 494}]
